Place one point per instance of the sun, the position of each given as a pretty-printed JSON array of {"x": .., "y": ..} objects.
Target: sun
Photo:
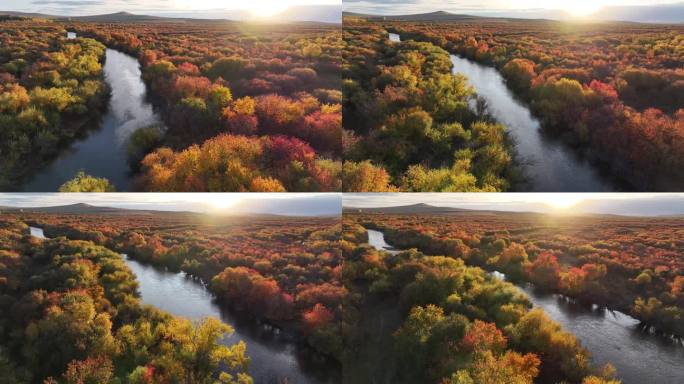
[
  {"x": 581, "y": 10},
  {"x": 221, "y": 201},
  {"x": 257, "y": 8},
  {"x": 562, "y": 201},
  {"x": 266, "y": 8}
]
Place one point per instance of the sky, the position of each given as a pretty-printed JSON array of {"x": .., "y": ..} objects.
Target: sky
[
  {"x": 291, "y": 204},
  {"x": 633, "y": 204},
  {"x": 179, "y": 8},
  {"x": 483, "y": 7}
]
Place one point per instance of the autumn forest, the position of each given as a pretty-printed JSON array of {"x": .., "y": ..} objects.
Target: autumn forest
[
  {"x": 341, "y": 192},
  {"x": 260, "y": 107}
]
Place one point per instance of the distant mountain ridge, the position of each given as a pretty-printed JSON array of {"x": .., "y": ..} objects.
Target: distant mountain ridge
[
  {"x": 79, "y": 208},
  {"x": 406, "y": 209},
  {"x": 430, "y": 16},
  {"x": 299, "y": 13},
  {"x": 659, "y": 13},
  {"x": 662, "y": 207}
]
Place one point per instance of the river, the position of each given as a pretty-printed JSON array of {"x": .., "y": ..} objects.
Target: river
[
  {"x": 274, "y": 356},
  {"x": 611, "y": 336},
  {"x": 102, "y": 152},
  {"x": 549, "y": 165}
]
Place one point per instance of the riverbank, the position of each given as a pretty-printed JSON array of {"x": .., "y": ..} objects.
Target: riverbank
[
  {"x": 590, "y": 110},
  {"x": 611, "y": 336},
  {"x": 276, "y": 352},
  {"x": 550, "y": 165},
  {"x": 104, "y": 152},
  {"x": 49, "y": 104},
  {"x": 610, "y": 302}
]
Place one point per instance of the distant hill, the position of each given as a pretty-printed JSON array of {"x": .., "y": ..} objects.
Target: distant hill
[
  {"x": 661, "y": 13},
  {"x": 302, "y": 13},
  {"x": 71, "y": 209},
  {"x": 25, "y": 14},
  {"x": 119, "y": 17},
  {"x": 312, "y": 206},
  {"x": 431, "y": 16},
  {"x": 406, "y": 209}
]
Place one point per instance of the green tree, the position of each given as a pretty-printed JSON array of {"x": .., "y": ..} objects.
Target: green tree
[{"x": 87, "y": 183}]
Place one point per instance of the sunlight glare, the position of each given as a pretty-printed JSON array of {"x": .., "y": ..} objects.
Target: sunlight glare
[
  {"x": 258, "y": 8},
  {"x": 576, "y": 8},
  {"x": 582, "y": 8},
  {"x": 266, "y": 8},
  {"x": 221, "y": 200},
  {"x": 562, "y": 201}
]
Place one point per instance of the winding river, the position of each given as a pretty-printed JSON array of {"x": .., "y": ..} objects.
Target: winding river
[
  {"x": 611, "y": 336},
  {"x": 550, "y": 165},
  {"x": 275, "y": 358},
  {"x": 102, "y": 152}
]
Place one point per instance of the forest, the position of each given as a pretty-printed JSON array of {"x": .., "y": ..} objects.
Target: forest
[
  {"x": 612, "y": 91},
  {"x": 410, "y": 124},
  {"x": 282, "y": 271},
  {"x": 71, "y": 314},
  {"x": 633, "y": 265},
  {"x": 419, "y": 318},
  {"x": 52, "y": 90},
  {"x": 245, "y": 107}
]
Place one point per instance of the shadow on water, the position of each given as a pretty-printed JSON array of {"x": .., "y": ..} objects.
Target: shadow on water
[
  {"x": 611, "y": 336},
  {"x": 102, "y": 152}
]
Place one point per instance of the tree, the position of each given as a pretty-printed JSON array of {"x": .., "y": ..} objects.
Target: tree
[
  {"x": 563, "y": 354},
  {"x": 519, "y": 74},
  {"x": 544, "y": 271},
  {"x": 198, "y": 352},
  {"x": 228, "y": 68},
  {"x": 96, "y": 370},
  {"x": 14, "y": 99},
  {"x": 488, "y": 368},
  {"x": 141, "y": 142},
  {"x": 86, "y": 183},
  {"x": 365, "y": 177},
  {"x": 318, "y": 316}
]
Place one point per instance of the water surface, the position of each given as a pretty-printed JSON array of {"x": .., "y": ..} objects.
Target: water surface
[
  {"x": 37, "y": 232},
  {"x": 549, "y": 164},
  {"x": 611, "y": 336}
]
